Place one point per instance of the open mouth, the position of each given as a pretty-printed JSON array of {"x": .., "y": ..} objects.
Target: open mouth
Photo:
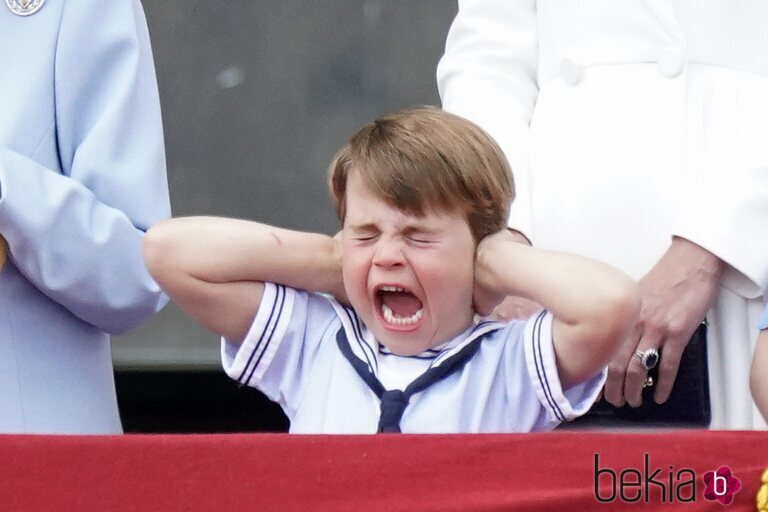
[{"x": 399, "y": 307}]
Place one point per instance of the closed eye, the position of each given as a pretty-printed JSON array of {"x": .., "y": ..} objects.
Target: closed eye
[{"x": 364, "y": 236}]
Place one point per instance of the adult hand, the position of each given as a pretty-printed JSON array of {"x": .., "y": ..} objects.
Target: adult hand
[
  {"x": 676, "y": 294},
  {"x": 3, "y": 251}
]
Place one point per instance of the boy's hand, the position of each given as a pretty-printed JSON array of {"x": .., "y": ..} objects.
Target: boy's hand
[
  {"x": 337, "y": 289},
  {"x": 487, "y": 294},
  {"x": 514, "y": 307}
]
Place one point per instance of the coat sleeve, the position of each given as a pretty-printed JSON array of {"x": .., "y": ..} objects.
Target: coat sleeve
[
  {"x": 76, "y": 233},
  {"x": 488, "y": 75},
  {"x": 727, "y": 214}
]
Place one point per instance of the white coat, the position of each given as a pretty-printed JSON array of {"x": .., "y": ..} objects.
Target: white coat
[
  {"x": 627, "y": 122},
  {"x": 82, "y": 175}
]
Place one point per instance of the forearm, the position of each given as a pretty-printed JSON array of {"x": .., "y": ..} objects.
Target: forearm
[
  {"x": 708, "y": 213},
  {"x": 82, "y": 166},
  {"x": 575, "y": 289},
  {"x": 219, "y": 250},
  {"x": 594, "y": 305},
  {"x": 74, "y": 247},
  {"x": 214, "y": 268}
]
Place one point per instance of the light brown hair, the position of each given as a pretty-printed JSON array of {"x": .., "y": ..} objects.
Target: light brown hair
[{"x": 425, "y": 157}]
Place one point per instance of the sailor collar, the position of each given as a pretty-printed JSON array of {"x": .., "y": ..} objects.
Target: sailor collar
[{"x": 366, "y": 348}]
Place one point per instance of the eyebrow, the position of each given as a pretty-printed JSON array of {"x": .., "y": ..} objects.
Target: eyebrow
[
  {"x": 409, "y": 230},
  {"x": 369, "y": 226},
  {"x": 406, "y": 230}
]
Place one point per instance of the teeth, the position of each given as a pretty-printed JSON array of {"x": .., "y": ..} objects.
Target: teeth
[
  {"x": 392, "y": 289},
  {"x": 392, "y": 318}
]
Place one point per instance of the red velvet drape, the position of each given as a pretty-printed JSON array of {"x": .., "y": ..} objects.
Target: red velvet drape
[{"x": 262, "y": 472}]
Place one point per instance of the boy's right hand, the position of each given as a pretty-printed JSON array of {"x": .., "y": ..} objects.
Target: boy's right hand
[{"x": 337, "y": 290}]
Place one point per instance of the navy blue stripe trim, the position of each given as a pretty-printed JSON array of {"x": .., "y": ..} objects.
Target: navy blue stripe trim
[
  {"x": 366, "y": 349},
  {"x": 536, "y": 332},
  {"x": 365, "y": 345},
  {"x": 539, "y": 361},
  {"x": 358, "y": 333},
  {"x": 546, "y": 379},
  {"x": 452, "y": 364},
  {"x": 261, "y": 338},
  {"x": 384, "y": 352},
  {"x": 444, "y": 354},
  {"x": 271, "y": 334},
  {"x": 269, "y": 330},
  {"x": 483, "y": 324},
  {"x": 357, "y": 364},
  {"x": 441, "y": 357}
]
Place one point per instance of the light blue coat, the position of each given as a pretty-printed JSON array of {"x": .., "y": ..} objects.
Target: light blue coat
[
  {"x": 764, "y": 321},
  {"x": 82, "y": 176}
]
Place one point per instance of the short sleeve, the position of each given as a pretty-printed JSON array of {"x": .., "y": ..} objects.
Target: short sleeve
[
  {"x": 560, "y": 405},
  {"x": 281, "y": 347}
]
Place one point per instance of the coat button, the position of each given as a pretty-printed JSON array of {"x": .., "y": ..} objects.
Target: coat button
[
  {"x": 670, "y": 62},
  {"x": 570, "y": 71}
]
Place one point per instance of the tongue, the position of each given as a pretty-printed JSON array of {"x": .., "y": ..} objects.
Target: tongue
[{"x": 402, "y": 304}]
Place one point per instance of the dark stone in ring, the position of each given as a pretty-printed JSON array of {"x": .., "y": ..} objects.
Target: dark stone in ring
[{"x": 648, "y": 359}]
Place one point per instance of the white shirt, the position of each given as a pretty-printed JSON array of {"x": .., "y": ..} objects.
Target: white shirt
[{"x": 510, "y": 385}]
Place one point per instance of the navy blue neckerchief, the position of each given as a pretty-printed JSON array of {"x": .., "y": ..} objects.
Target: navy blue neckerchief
[{"x": 394, "y": 402}]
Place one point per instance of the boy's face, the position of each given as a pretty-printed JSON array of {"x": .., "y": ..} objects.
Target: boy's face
[{"x": 409, "y": 278}]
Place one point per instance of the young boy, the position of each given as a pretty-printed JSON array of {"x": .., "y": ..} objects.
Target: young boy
[
  {"x": 759, "y": 374},
  {"x": 423, "y": 197}
]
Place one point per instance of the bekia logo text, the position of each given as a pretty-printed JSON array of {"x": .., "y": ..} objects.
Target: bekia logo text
[{"x": 653, "y": 484}]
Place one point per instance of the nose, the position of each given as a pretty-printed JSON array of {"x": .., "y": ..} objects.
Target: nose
[{"x": 389, "y": 253}]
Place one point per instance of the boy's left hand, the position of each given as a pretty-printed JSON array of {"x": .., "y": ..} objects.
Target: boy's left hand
[
  {"x": 486, "y": 295},
  {"x": 515, "y": 308}
]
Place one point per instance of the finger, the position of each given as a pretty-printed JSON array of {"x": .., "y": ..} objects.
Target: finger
[
  {"x": 500, "y": 316},
  {"x": 502, "y": 313},
  {"x": 613, "y": 391},
  {"x": 668, "y": 367},
  {"x": 480, "y": 308},
  {"x": 3, "y": 251},
  {"x": 484, "y": 303},
  {"x": 515, "y": 308},
  {"x": 528, "y": 308},
  {"x": 617, "y": 369},
  {"x": 636, "y": 373}
]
